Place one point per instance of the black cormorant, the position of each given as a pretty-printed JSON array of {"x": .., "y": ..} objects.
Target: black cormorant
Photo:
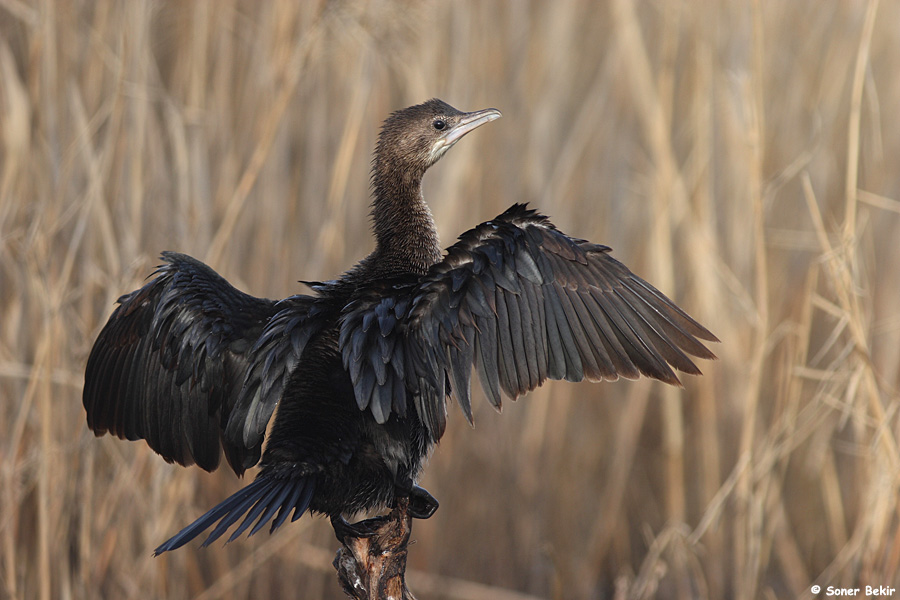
[{"x": 361, "y": 370}]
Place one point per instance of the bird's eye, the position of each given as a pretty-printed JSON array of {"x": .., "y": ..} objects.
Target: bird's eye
[{"x": 439, "y": 124}]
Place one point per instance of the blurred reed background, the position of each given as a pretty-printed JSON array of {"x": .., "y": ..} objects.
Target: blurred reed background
[{"x": 745, "y": 157}]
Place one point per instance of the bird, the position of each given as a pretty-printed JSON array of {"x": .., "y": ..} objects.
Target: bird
[{"x": 362, "y": 369}]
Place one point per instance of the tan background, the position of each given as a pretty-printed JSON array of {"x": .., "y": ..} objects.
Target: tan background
[{"x": 743, "y": 156}]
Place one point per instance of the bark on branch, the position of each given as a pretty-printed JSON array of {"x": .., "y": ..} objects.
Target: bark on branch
[{"x": 372, "y": 563}]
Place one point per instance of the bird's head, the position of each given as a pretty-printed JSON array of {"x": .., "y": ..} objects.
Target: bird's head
[{"x": 414, "y": 138}]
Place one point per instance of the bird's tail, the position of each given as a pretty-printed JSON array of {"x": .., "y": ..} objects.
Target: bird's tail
[{"x": 267, "y": 494}]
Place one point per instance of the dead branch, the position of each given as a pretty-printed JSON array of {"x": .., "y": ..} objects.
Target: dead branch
[{"x": 372, "y": 563}]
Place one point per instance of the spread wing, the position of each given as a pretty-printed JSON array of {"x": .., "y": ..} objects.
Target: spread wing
[
  {"x": 522, "y": 303},
  {"x": 189, "y": 363}
]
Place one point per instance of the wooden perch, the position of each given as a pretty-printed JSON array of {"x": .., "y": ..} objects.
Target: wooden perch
[{"x": 372, "y": 563}]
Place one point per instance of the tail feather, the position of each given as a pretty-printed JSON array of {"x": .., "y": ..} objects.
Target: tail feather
[
  {"x": 265, "y": 495},
  {"x": 303, "y": 502},
  {"x": 235, "y": 511},
  {"x": 263, "y": 503},
  {"x": 271, "y": 507},
  {"x": 297, "y": 502}
]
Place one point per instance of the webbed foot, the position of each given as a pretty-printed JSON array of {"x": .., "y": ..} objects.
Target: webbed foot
[
  {"x": 344, "y": 529},
  {"x": 421, "y": 504}
]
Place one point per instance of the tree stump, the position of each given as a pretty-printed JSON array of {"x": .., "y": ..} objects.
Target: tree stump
[{"x": 372, "y": 563}]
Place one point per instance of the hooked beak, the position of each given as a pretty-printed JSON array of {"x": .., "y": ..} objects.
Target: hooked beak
[
  {"x": 470, "y": 121},
  {"x": 466, "y": 123}
]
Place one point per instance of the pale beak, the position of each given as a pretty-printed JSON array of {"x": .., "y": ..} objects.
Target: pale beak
[
  {"x": 466, "y": 123},
  {"x": 470, "y": 121}
]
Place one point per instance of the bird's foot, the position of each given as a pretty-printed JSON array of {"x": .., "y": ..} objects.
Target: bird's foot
[
  {"x": 344, "y": 529},
  {"x": 421, "y": 504}
]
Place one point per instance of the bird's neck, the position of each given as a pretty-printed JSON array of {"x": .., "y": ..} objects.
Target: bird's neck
[{"x": 406, "y": 237}]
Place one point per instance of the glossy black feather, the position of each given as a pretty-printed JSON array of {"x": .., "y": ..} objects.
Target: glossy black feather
[
  {"x": 266, "y": 495},
  {"x": 360, "y": 370},
  {"x": 172, "y": 360},
  {"x": 538, "y": 305}
]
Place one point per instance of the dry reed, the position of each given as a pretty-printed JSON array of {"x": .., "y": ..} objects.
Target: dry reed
[{"x": 742, "y": 156}]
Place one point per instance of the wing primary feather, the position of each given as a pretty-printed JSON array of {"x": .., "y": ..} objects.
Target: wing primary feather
[
  {"x": 600, "y": 312},
  {"x": 645, "y": 357},
  {"x": 656, "y": 330},
  {"x": 668, "y": 319},
  {"x": 684, "y": 320}
]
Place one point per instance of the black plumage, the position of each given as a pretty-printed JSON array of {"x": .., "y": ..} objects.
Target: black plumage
[{"x": 362, "y": 368}]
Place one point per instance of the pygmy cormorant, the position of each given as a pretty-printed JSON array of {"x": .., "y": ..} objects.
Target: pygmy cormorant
[{"x": 361, "y": 370}]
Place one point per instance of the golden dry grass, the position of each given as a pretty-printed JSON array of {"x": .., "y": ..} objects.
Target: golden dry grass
[{"x": 742, "y": 156}]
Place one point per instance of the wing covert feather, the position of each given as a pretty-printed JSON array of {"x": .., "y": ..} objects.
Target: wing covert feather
[{"x": 521, "y": 302}]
